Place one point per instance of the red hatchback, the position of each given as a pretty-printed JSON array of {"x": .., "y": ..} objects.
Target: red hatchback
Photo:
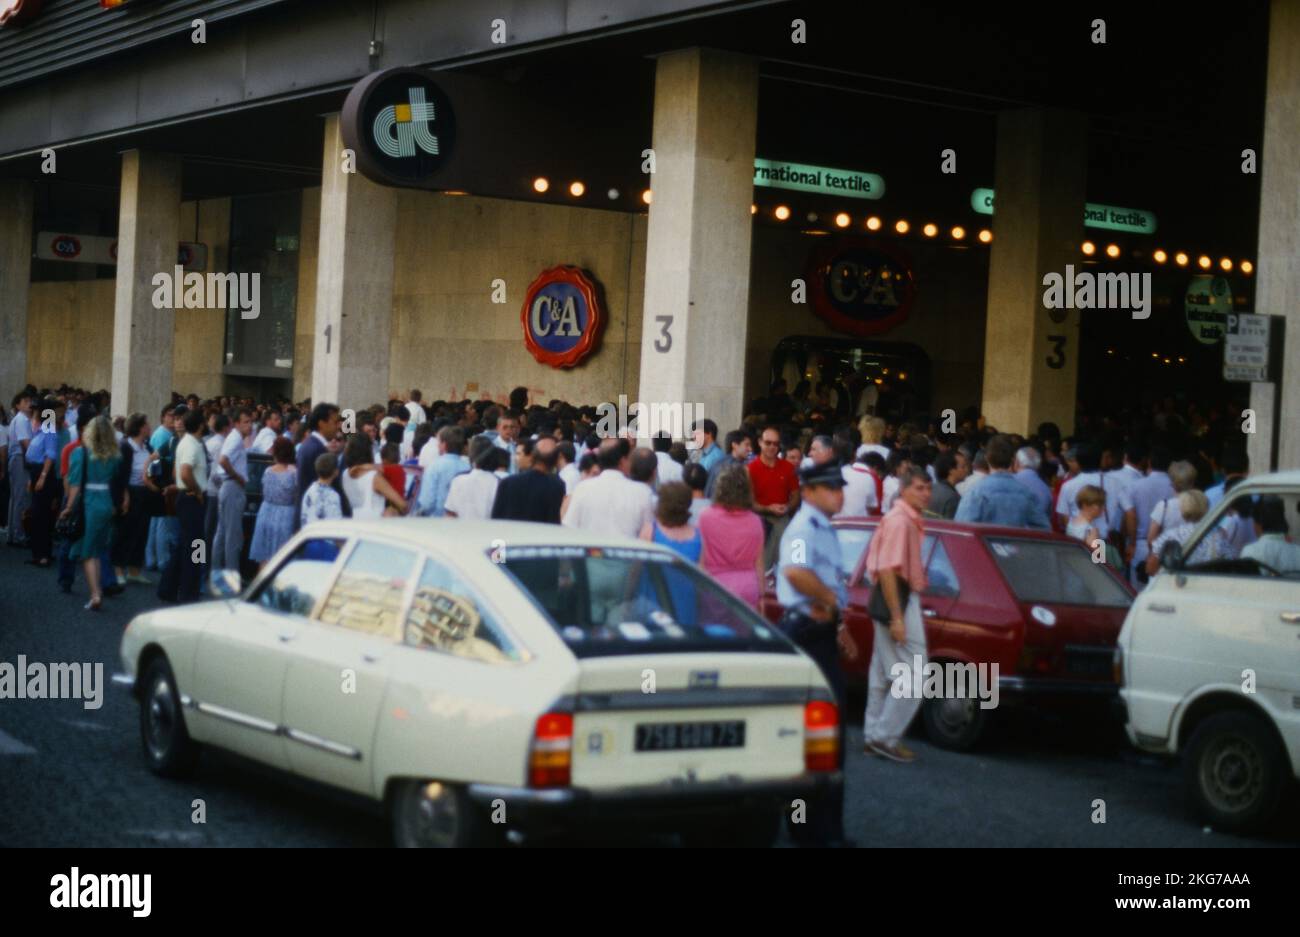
[{"x": 1032, "y": 602}]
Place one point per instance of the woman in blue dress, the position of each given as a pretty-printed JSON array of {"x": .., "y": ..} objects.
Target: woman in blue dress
[
  {"x": 672, "y": 528},
  {"x": 279, "y": 500},
  {"x": 90, "y": 470}
]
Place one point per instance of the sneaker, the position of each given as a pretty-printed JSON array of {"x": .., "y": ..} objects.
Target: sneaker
[{"x": 896, "y": 753}]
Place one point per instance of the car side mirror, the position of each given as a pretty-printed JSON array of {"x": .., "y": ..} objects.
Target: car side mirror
[
  {"x": 226, "y": 583},
  {"x": 1171, "y": 555}
]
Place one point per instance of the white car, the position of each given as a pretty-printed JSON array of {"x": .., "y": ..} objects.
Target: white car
[
  {"x": 482, "y": 676},
  {"x": 1209, "y": 657}
]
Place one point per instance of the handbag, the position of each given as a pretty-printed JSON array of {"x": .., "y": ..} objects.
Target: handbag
[
  {"x": 878, "y": 608},
  {"x": 73, "y": 527}
]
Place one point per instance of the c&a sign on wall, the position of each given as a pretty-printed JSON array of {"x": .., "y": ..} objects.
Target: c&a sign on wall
[
  {"x": 859, "y": 286},
  {"x": 562, "y": 316}
]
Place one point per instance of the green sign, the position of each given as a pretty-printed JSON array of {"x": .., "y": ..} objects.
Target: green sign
[
  {"x": 821, "y": 179},
  {"x": 1106, "y": 217},
  {"x": 1207, "y": 304}
]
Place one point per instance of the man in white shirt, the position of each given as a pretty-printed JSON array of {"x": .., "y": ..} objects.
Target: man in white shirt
[
  {"x": 233, "y": 460},
  {"x": 568, "y": 463},
  {"x": 1273, "y": 547},
  {"x": 20, "y": 436},
  {"x": 266, "y": 436},
  {"x": 415, "y": 409},
  {"x": 472, "y": 494},
  {"x": 859, "y": 491},
  {"x": 219, "y": 428},
  {"x": 611, "y": 503},
  {"x": 669, "y": 469},
  {"x": 1138, "y": 501},
  {"x": 979, "y": 472}
]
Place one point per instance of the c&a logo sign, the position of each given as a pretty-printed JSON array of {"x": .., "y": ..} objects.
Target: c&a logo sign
[
  {"x": 401, "y": 126},
  {"x": 860, "y": 286},
  {"x": 17, "y": 12},
  {"x": 562, "y": 317}
]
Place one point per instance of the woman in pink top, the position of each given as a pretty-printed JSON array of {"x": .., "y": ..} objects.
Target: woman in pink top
[{"x": 733, "y": 537}]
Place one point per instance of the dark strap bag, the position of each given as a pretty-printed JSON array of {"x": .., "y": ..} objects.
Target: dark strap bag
[{"x": 879, "y": 609}]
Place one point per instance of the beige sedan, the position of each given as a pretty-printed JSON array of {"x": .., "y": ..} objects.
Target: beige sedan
[{"x": 479, "y": 677}]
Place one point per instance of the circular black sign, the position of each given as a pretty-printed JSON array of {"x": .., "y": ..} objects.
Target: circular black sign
[{"x": 401, "y": 126}]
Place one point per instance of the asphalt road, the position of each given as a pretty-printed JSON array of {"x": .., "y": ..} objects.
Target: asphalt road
[{"x": 75, "y": 777}]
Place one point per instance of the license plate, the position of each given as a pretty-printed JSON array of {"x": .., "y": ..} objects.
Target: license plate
[{"x": 676, "y": 736}]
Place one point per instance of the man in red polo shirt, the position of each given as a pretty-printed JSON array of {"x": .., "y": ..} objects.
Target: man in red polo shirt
[{"x": 776, "y": 490}]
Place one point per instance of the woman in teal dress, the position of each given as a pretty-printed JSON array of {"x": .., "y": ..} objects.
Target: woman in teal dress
[{"x": 90, "y": 470}]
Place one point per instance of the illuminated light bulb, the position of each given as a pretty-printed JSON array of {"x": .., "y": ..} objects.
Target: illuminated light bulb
[
  {"x": 842, "y": 220},
  {"x": 782, "y": 212},
  {"x": 1225, "y": 264},
  {"x": 1112, "y": 251},
  {"x": 753, "y": 209},
  {"x": 1160, "y": 256},
  {"x": 647, "y": 196},
  {"x": 1181, "y": 259},
  {"x": 931, "y": 230},
  {"x": 901, "y": 226},
  {"x": 958, "y": 233},
  {"x": 873, "y": 223},
  {"x": 576, "y": 189},
  {"x": 1203, "y": 262},
  {"x": 986, "y": 236},
  {"x": 541, "y": 184},
  {"x": 1247, "y": 266},
  {"x": 1088, "y": 248}
]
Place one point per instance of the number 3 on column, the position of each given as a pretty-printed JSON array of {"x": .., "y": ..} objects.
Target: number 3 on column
[
  {"x": 665, "y": 340},
  {"x": 1056, "y": 359}
]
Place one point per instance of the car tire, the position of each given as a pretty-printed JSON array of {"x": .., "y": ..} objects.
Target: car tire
[
  {"x": 954, "y": 724},
  {"x": 1235, "y": 772},
  {"x": 432, "y": 815},
  {"x": 169, "y": 751},
  {"x": 756, "y": 829}
]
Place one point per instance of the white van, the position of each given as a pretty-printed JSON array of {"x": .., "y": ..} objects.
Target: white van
[{"x": 1208, "y": 659}]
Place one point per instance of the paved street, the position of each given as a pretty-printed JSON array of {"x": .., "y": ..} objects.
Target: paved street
[{"x": 75, "y": 777}]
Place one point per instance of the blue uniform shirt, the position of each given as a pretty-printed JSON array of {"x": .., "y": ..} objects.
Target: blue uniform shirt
[
  {"x": 812, "y": 543},
  {"x": 44, "y": 445}
]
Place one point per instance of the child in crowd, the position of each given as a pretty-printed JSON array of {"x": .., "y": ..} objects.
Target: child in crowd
[
  {"x": 1091, "y": 502},
  {"x": 321, "y": 502}
]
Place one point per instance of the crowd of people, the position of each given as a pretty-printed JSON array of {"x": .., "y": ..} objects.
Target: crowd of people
[{"x": 722, "y": 501}]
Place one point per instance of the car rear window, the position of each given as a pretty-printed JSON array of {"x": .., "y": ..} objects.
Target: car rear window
[
  {"x": 605, "y": 601},
  {"x": 1055, "y": 572}
]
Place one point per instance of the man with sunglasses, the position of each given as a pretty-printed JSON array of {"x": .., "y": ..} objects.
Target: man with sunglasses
[{"x": 776, "y": 490}]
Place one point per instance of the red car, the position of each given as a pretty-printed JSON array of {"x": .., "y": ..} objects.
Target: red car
[{"x": 1031, "y": 601}]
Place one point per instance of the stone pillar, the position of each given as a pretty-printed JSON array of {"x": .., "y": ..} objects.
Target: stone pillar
[
  {"x": 15, "y": 281},
  {"x": 1031, "y": 353},
  {"x": 354, "y": 283},
  {"x": 148, "y": 235},
  {"x": 697, "y": 253},
  {"x": 1278, "y": 267}
]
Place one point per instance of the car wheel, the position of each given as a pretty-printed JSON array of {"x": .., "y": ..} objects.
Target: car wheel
[
  {"x": 430, "y": 814},
  {"x": 757, "y": 829},
  {"x": 168, "y": 749},
  {"x": 1235, "y": 771},
  {"x": 954, "y": 724}
]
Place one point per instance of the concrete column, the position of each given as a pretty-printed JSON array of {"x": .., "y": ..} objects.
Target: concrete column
[
  {"x": 1278, "y": 269},
  {"x": 697, "y": 252},
  {"x": 1031, "y": 353},
  {"x": 15, "y": 281},
  {"x": 148, "y": 232},
  {"x": 354, "y": 283}
]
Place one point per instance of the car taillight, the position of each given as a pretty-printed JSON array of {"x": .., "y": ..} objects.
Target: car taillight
[
  {"x": 821, "y": 737},
  {"x": 1117, "y": 666},
  {"x": 550, "y": 757}
]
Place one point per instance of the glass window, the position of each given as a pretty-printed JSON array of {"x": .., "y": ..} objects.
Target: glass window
[
  {"x": 1255, "y": 535},
  {"x": 369, "y": 592},
  {"x": 624, "y": 601},
  {"x": 1055, "y": 572},
  {"x": 447, "y": 615},
  {"x": 300, "y": 582},
  {"x": 853, "y": 543},
  {"x": 939, "y": 572}
]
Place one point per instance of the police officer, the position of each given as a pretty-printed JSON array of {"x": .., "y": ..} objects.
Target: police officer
[{"x": 810, "y": 586}]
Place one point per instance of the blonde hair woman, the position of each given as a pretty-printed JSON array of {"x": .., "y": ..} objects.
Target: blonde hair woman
[
  {"x": 1166, "y": 515},
  {"x": 90, "y": 470}
]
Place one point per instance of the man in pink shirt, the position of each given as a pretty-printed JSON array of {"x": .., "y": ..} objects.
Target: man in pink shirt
[{"x": 894, "y": 560}]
